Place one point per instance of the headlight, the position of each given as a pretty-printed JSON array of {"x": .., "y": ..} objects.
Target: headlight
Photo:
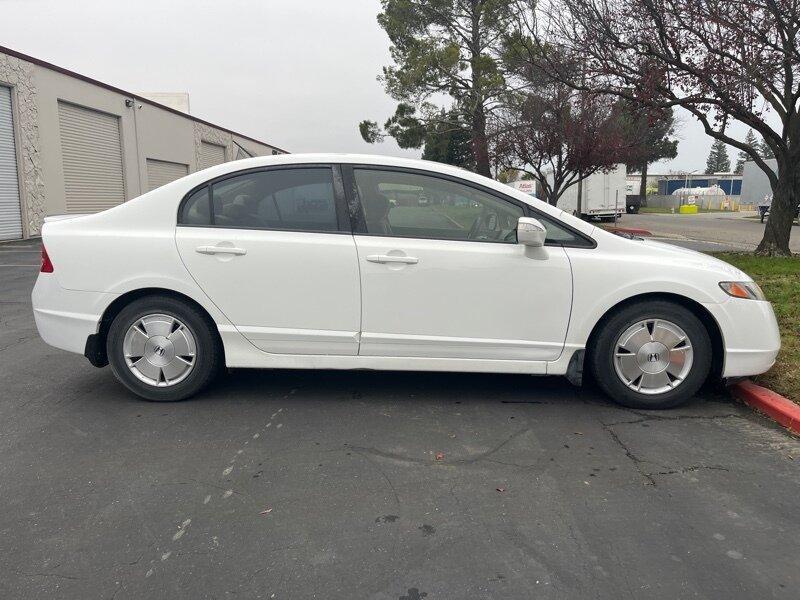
[{"x": 742, "y": 289}]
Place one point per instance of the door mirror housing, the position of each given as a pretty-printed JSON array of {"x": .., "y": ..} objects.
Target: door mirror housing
[{"x": 531, "y": 232}]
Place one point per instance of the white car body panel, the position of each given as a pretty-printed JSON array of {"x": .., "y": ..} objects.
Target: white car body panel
[
  {"x": 446, "y": 305},
  {"x": 292, "y": 293},
  {"x": 308, "y": 309}
]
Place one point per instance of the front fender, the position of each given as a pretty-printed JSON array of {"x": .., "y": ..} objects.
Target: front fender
[{"x": 589, "y": 307}]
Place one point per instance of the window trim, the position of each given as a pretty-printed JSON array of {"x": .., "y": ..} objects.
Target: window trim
[
  {"x": 358, "y": 220},
  {"x": 342, "y": 222}
]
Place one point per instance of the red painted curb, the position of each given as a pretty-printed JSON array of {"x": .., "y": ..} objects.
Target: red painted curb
[
  {"x": 781, "y": 409},
  {"x": 630, "y": 230}
]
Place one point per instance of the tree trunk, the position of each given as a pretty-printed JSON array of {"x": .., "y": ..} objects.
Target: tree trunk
[
  {"x": 579, "y": 201},
  {"x": 480, "y": 145},
  {"x": 643, "y": 186},
  {"x": 782, "y": 211},
  {"x": 552, "y": 197}
]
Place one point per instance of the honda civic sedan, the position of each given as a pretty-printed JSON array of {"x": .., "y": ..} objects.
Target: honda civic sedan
[{"x": 366, "y": 262}]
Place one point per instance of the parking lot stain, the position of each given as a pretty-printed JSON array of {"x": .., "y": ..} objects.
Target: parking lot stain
[
  {"x": 414, "y": 594},
  {"x": 387, "y": 519},
  {"x": 427, "y": 530}
]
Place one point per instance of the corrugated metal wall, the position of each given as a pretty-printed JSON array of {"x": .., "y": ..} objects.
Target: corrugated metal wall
[
  {"x": 210, "y": 155},
  {"x": 162, "y": 172},
  {"x": 10, "y": 214},
  {"x": 92, "y": 155}
]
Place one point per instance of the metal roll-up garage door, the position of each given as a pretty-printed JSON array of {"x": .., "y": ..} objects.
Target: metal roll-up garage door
[
  {"x": 211, "y": 154},
  {"x": 162, "y": 172},
  {"x": 10, "y": 215},
  {"x": 92, "y": 156}
]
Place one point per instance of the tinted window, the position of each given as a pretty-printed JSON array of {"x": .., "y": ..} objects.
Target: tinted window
[
  {"x": 411, "y": 205},
  {"x": 294, "y": 199},
  {"x": 196, "y": 209}
]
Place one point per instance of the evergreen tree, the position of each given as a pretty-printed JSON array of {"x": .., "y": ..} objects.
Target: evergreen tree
[
  {"x": 718, "y": 159},
  {"x": 442, "y": 48},
  {"x": 449, "y": 141},
  {"x": 653, "y": 129},
  {"x": 764, "y": 150},
  {"x": 751, "y": 140}
]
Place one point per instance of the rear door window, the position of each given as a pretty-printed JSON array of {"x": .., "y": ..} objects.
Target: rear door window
[{"x": 297, "y": 199}]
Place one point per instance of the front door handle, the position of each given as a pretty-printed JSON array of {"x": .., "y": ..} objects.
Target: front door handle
[
  {"x": 388, "y": 258},
  {"x": 220, "y": 250}
]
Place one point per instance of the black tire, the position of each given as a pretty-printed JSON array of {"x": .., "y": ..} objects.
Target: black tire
[
  {"x": 208, "y": 356},
  {"x": 602, "y": 350}
]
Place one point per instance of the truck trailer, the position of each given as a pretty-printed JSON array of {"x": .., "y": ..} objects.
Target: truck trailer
[{"x": 603, "y": 194}]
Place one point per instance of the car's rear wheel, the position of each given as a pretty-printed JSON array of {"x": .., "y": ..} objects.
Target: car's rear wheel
[
  {"x": 651, "y": 355},
  {"x": 163, "y": 349}
]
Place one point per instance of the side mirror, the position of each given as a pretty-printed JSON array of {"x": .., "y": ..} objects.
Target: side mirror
[{"x": 531, "y": 232}]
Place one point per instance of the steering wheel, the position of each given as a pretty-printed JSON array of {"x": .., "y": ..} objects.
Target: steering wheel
[{"x": 487, "y": 223}]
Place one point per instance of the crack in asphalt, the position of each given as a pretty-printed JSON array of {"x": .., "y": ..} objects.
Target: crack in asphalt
[
  {"x": 637, "y": 462},
  {"x": 648, "y": 416},
  {"x": 425, "y": 461},
  {"x": 13, "y": 344},
  {"x": 382, "y": 473},
  {"x": 58, "y": 575},
  {"x": 692, "y": 469}
]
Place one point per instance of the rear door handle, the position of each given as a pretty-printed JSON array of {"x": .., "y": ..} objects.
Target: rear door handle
[
  {"x": 220, "y": 250},
  {"x": 388, "y": 258}
]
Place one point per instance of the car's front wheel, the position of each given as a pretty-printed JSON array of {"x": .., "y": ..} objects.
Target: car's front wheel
[
  {"x": 651, "y": 355},
  {"x": 163, "y": 349}
]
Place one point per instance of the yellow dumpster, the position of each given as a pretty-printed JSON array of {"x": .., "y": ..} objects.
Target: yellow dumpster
[{"x": 688, "y": 209}]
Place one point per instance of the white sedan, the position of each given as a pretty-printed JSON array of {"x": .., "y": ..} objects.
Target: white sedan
[{"x": 366, "y": 262}]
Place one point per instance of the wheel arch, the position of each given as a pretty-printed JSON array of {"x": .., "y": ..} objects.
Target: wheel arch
[
  {"x": 706, "y": 318},
  {"x": 96, "y": 344}
]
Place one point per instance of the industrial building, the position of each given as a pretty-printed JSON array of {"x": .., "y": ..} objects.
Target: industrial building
[
  {"x": 730, "y": 183},
  {"x": 709, "y": 190},
  {"x": 71, "y": 144}
]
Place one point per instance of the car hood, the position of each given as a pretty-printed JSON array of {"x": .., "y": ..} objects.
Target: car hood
[{"x": 692, "y": 258}]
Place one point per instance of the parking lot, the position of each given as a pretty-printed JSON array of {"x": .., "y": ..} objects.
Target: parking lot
[
  {"x": 376, "y": 485},
  {"x": 708, "y": 232}
]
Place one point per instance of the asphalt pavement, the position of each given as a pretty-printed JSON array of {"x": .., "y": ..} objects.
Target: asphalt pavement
[
  {"x": 377, "y": 485},
  {"x": 707, "y": 232}
]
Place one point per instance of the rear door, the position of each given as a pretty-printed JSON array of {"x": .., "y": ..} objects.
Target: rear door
[{"x": 267, "y": 247}]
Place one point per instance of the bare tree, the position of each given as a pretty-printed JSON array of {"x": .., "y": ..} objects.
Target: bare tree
[{"x": 721, "y": 60}]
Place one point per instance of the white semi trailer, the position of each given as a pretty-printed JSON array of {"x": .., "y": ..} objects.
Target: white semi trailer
[{"x": 603, "y": 194}]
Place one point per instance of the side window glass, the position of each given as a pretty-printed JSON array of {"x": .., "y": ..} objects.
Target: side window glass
[
  {"x": 411, "y": 205},
  {"x": 291, "y": 199},
  {"x": 196, "y": 210},
  {"x": 558, "y": 234}
]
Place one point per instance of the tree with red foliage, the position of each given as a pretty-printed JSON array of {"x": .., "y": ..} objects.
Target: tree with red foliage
[{"x": 557, "y": 134}]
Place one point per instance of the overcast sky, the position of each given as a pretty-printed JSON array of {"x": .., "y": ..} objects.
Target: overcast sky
[{"x": 299, "y": 74}]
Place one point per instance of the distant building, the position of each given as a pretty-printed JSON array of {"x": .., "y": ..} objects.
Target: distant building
[
  {"x": 71, "y": 144},
  {"x": 731, "y": 183}
]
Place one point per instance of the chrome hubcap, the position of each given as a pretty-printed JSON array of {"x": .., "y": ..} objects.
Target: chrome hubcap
[
  {"x": 159, "y": 350},
  {"x": 653, "y": 356}
]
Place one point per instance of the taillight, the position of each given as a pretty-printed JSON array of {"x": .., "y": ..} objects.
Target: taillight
[{"x": 47, "y": 265}]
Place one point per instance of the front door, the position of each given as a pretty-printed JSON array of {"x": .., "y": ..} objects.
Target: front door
[
  {"x": 443, "y": 277},
  {"x": 266, "y": 247}
]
